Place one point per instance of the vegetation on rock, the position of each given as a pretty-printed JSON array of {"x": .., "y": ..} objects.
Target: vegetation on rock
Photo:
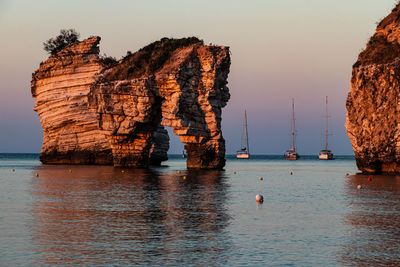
[
  {"x": 392, "y": 17},
  {"x": 108, "y": 61},
  {"x": 378, "y": 51},
  {"x": 65, "y": 38},
  {"x": 149, "y": 58}
]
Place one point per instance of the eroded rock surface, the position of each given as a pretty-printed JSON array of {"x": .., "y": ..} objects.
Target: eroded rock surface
[
  {"x": 373, "y": 101},
  {"x": 60, "y": 87},
  {"x": 93, "y": 113}
]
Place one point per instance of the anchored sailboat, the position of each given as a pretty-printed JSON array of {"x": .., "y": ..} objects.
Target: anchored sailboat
[
  {"x": 244, "y": 153},
  {"x": 291, "y": 154},
  {"x": 326, "y": 154}
]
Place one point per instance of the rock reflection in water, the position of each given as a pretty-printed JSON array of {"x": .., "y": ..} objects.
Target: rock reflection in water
[
  {"x": 101, "y": 215},
  {"x": 374, "y": 219}
]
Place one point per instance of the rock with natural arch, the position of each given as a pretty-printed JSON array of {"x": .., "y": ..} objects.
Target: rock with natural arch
[{"x": 95, "y": 110}]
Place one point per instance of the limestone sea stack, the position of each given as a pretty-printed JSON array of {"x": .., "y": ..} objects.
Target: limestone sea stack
[
  {"x": 94, "y": 110},
  {"x": 372, "y": 120}
]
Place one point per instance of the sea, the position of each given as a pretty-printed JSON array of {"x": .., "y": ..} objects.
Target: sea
[{"x": 314, "y": 214}]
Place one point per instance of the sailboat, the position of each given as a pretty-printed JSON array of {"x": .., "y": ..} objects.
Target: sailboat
[
  {"x": 244, "y": 152},
  {"x": 326, "y": 154},
  {"x": 291, "y": 154}
]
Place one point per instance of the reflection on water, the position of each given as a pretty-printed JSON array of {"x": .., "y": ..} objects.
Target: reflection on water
[
  {"x": 101, "y": 215},
  {"x": 374, "y": 220}
]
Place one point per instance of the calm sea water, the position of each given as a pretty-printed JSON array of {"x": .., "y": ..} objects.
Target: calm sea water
[{"x": 99, "y": 215}]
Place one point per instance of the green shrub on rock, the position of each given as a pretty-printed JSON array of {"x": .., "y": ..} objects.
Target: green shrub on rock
[{"x": 65, "y": 38}]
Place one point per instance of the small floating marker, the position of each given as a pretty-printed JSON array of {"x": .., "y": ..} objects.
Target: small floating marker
[
  {"x": 184, "y": 177},
  {"x": 359, "y": 187},
  {"x": 369, "y": 179},
  {"x": 13, "y": 170},
  {"x": 291, "y": 173},
  {"x": 261, "y": 178},
  {"x": 234, "y": 172},
  {"x": 37, "y": 174},
  {"x": 179, "y": 171},
  {"x": 259, "y": 198}
]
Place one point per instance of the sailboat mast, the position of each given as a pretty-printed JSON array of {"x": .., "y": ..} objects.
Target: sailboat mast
[
  {"x": 293, "y": 127},
  {"x": 326, "y": 133},
  {"x": 245, "y": 132}
]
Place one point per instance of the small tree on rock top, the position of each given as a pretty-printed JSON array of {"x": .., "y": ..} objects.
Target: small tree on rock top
[{"x": 65, "y": 38}]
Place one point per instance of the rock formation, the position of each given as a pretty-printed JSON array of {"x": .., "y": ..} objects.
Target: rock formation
[
  {"x": 373, "y": 101},
  {"x": 96, "y": 111}
]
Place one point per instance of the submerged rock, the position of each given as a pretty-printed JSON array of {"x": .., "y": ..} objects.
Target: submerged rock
[
  {"x": 96, "y": 111},
  {"x": 372, "y": 120}
]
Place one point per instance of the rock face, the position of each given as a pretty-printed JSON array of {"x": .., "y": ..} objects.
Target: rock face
[
  {"x": 96, "y": 112},
  {"x": 61, "y": 86},
  {"x": 373, "y": 101}
]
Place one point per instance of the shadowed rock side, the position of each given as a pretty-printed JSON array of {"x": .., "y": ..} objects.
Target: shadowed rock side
[
  {"x": 116, "y": 116},
  {"x": 373, "y": 101}
]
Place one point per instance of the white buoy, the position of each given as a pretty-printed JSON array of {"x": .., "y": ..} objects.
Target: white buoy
[
  {"x": 259, "y": 198},
  {"x": 359, "y": 186}
]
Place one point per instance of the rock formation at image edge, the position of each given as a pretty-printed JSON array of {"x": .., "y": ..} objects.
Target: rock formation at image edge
[
  {"x": 94, "y": 110},
  {"x": 372, "y": 120}
]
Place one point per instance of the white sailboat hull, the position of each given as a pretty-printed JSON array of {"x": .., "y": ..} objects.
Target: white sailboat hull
[
  {"x": 325, "y": 155},
  {"x": 290, "y": 155},
  {"x": 243, "y": 156}
]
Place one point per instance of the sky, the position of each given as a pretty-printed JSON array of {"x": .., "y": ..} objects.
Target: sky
[{"x": 281, "y": 49}]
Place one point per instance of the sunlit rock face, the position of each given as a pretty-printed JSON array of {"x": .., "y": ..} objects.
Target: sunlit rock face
[
  {"x": 60, "y": 87},
  {"x": 373, "y": 101},
  {"x": 97, "y": 112}
]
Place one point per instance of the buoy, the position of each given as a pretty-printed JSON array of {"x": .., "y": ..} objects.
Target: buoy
[
  {"x": 259, "y": 198},
  {"x": 184, "y": 177},
  {"x": 36, "y": 174},
  {"x": 291, "y": 173},
  {"x": 13, "y": 170},
  {"x": 234, "y": 172},
  {"x": 359, "y": 186},
  {"x": 261, "y": 178},
  {"x": 179, "y": 171},
  {"x": 369, "y": 179}
]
